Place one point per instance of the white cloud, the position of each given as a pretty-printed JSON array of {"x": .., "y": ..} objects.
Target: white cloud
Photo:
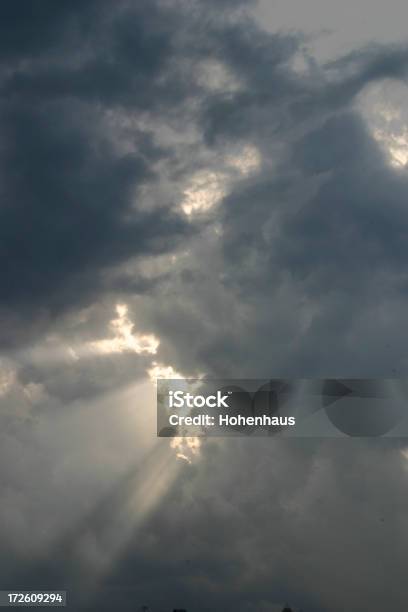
[
  {"x": 207, "y": 188},
  {"x": 124, "y": 339},
  {"x": 7, "y": 378},
  {"x": 384, "y": 106}
]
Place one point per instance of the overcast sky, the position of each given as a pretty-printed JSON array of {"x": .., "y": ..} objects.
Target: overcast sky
[
  {"x": 336, "y": 26},
  {"x": 199, "y": 187}
]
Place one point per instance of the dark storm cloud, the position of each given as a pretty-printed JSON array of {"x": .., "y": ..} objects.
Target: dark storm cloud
[
  {"x": 365, "y": 224},
  {"x": 306, "y": 232},
  {"x": 28, "y": 30},
  {"x": 355, "y": 219},
  {"x": 64, "y": 201},
  {"x": 70, "y": 201},
  {"x": 374, "y": 61},
  {"x": 72, "y": 204},
  {"x": 119, "y": 63}
]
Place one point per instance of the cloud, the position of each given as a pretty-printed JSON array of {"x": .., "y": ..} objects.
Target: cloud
[{"x": 244, "y": 218}]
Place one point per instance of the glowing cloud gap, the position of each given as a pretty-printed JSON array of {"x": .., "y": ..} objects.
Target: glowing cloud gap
[{"x": 124, "y": 339}]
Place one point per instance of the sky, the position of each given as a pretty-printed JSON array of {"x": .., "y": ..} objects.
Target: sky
[{"x": 199, "y": 188}]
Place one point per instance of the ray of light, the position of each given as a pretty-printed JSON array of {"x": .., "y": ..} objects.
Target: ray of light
[
  {"x": 90, "y": 550},
  {"x": 102, "y": 545}
]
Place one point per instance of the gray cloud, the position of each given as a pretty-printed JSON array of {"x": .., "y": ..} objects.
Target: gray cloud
[{"x": 112, "y": 117}]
